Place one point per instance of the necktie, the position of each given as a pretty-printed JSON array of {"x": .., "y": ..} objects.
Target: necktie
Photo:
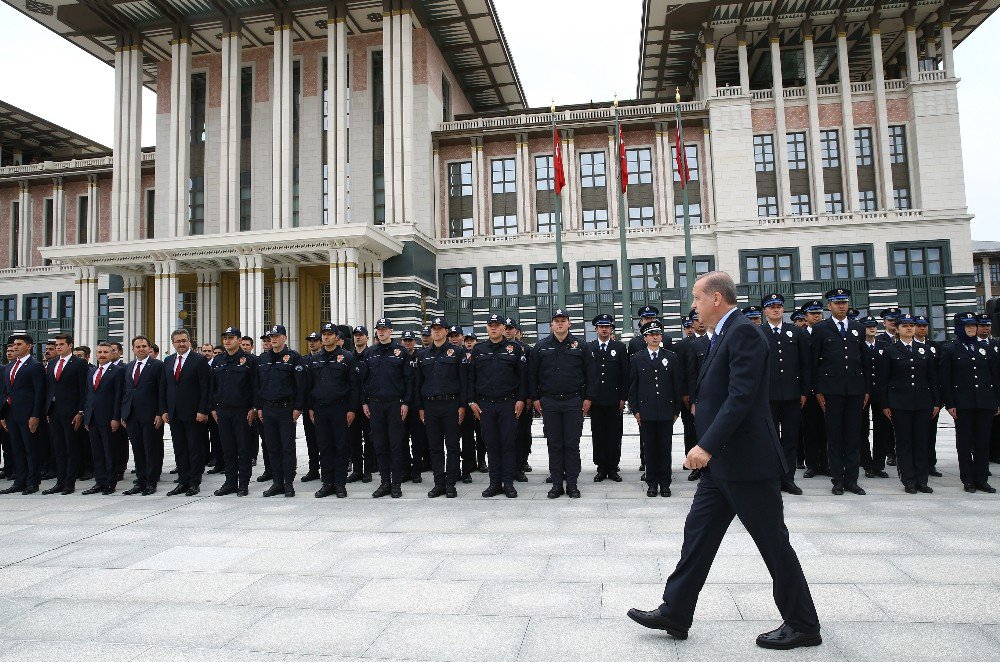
[
  {"x": 777, "y": 331},
  {"x": 59, "y": 368},
  {"x": 711, "y": 342},
  {"x": 135, "y": 375},
  {"x": 177, "y": 368},
  {"x": 909, "y": 349},
  {"x": 97, "y": 379},
  {"x": 652, "y": 356},
  {"x": 843, "y": 330},
  {"x": 13, "y": 371},
  {"x": 604, "y": 347}
]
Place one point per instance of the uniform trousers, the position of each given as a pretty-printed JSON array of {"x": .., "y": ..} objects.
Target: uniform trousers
[
  {"x": 119, "y": 451},
  {"x": 884, "y": 443},
  {"x": 417, "y": 432},
  {"x": 972, "y": 441},
  {"x": 312, "y": 449},
  {"x": 655, "y": 437},
  {"x": 238, "y": 445},
  {"x": 147, "y": 450},
  {"x": 932, "y": 441},
  {"x": 500, "y": 428},
  {"x": 843, "y": 436},
  {"x": 279, "y": 431},
  {"x": 814, "y": 436},
  {"x": 562, "y": 423},
  {"x": 690, "y": 434},
  {"x": 468, "y": 434},
  {"x": 441, "y": 422},
  {"x": 332, "y": 442},
  {"x": 189, "y": 447},
  {"x": 787, "y": 417},
  {"x": 387, "y": 432},
  {"x": 910, "y": 430},
  {"x": 65, "y": 448},
  {"x": 758, "y": 505},
  {"x": 524, "y": 434},
  {"x": 606, "y": 427},
  {"x": 359, "y": 436}
]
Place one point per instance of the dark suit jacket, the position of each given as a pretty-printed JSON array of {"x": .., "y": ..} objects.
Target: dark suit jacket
[
  {"x": 732, "y": 414},
  {"x": 142, "y": 399},
  {"x": 27, "y": 394},
  {"x": 67, "y": 396},
  {"x": 189, "y": 395},
  {"x": 104, "y": 404},
  {"x": 655, "y": 389}
]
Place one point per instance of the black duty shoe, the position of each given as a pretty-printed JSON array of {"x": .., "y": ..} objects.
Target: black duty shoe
[
  {"x": 242, "y": 492},
  {"x": 96, "y": 489},
  {"x": 180, "y": 489},
  {"x": 18, "y": 488},
  {"x": 216, "y": 470},
  {"x": 934, "y": 472},
  {"x": 450, "y": 491},
  {"x": 135, "y": 489},
  {"x": 810, "y": 473},
  {"x": 837, "y": 489},
  {"x": 909, "y": 489},
  {"x": 354, "y": 477},
  {"x": 695, "y": 474},
  {"x": 225, "y": 490},
  {"x": 657, "y": 621},
  {"x": 791, "y": 488},
  {"x": 395, "y": 490},
  {"x": 483, "y": 469},
  {"x": 876, "y": 474},
  {"x": 274, "y": 490},
  {"x": 510, "y": 492},
  {"x": 406, "y": 478},
  {"x": 107, "y": 491},
  {"x": 572, "y": 492},
  {"x": 642, "y": 467},
  {"x": 312, "y": 474},
  {"x": 520, "y": 477},
  {"x": 193, "y": 490},
  {"x": 526, "y": 468},
  {"x": 854, "y": 488},
  {"x": 383, "y": 490},
  {"x": 556, "y": 492},
  {"x": 31, "y": 489},
  {"x": 615, "y": 476},
  {"x": 970, "y": 488},
  {"x": 924, "y": 489},
  {"x": 492, "y": 491},
  {"x": 785, "y": 638},
  {"x": 416, "y": 478},
  {"x": 149, "y": 491},
  {"x": 264, "y": 477},
  {"x": 69, "y": 490},
  {"x": 548, "y": 479},
  {"x": 436, "y": 491},
  {"x": 341, "y": 491},
  {"x": 891, "y": 460},
  {"x": 324, "y": 491},
  {"x": 651, "y": 492},
  {"x": 600, "y": 477},
  {"x": 664, "y": 491},
  {"x": 366, "y": 477},
  {"x": 466, "y": 478},
  {"x": 289, "y": 491},
  {"x": 986, "y": 487},
  {"x": 800, "y": 465},
  {"x": 55, "y": 489}
]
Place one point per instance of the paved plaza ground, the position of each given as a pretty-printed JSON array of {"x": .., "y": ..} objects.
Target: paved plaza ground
[{"x": 895, "y": 577}]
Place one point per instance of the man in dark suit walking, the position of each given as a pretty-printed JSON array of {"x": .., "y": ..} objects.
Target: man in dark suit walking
[
  {"x": 102, "y": 416},
  {"x": 742, "y": 463},
  {"x": 23, "y": 400},
  {"x": 141, "y": 416},
  {"x": 185, "y": 401},
  {"x": 66, "y": 377}
]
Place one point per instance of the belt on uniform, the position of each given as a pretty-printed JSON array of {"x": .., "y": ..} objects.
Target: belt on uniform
[
  {"x": 440, "y": 398},
  {"x": 394, "y": 400},
  {"x": 562, "y": 396},
  {"x": 495, "y": 401},
  {"x": 338, "y": 401},
  {"x": 277, "y": 404}
]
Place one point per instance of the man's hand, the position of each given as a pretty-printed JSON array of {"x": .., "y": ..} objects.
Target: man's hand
[
  {"x": 692, "y": 409},
  {"x": 461, "y": 415},
  {"x": 114, "y": 426},
  {"x": 865, "y": 403},
  {"x": 422, "y": 416},
  {"x": 518, "y": 409},
  {"x": 403, "y": 411},
  {"x": 350, "y": 418},
  {"x": 887, "y": 413},
  {"x": 686, "y": 400},
  {"x": 368, "y": 412},
  {"x": 802, "y": 401},
  {"x": 638, "y": 419},
  {"x": 821, "y": 399},
  {"x": 538, "y": 406},
  {"x": 3, "y": 423},
  {"x": 260, "y": 415},
  {"x": 201, "y": 418},
  {"x": 586, "y": 407},
  {"x": 33, "y": 423},
  {"x": 166, "y": 418},
  {"x": 953, "y": 412},
  {"x": 312, "y": 415},
  {"x": 621, "y": 406},
  {"x": 935, "y": 411},
  {"x": 295, "y": 414},
  {"x": 215, "y": 415},
  {"x": 697, "y": 458},
  {"x": 157, "y": 422},
  {"x": 250, "y": 416}
]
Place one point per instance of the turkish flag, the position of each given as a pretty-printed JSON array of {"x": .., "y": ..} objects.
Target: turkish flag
[
  {"x": 622, "y": 159},
  {"x": 682, "y": 166},
  {"x": 557, "y": 162}
]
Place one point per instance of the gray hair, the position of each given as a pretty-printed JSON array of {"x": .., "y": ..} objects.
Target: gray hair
[{"x": 721, "y": 282}]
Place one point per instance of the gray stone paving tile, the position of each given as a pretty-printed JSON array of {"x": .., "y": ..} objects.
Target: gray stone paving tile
[
  {"x": 470, "y": 637},
  {"x": 276, "y": 521},
  {"x": 193, "y": 587},
  {"x": 285, "y": 561},
  {"x": 194, "y": 558},
  {"x": 602, "y": 525},
  {"x": 96, "y": 556},
  {"x": 313, "y": 631},
  {"x": 589, "y": 639},
  {"x": 866, "y": 543},
  {"x": 420, "y": 596},
  {"x": 832, "y": 569},
  {"x": 602, "y": 569},
  {"x": 937, "y": 603},
  {"x": 14, "y": 552},
  {"x": 834, "y": 602},
  {"x": 69, "y": 620},
  {"x": 170, "y": 654},
  {"x": 736, "y": 640},
  {"x": 951, "y": 569},
  {"x": 364, "y": 541},
  {"x": 14, "y": 579},
  {"x": 904, "y": 642},
  {"x": 183, "y": 624},
  {"x": 11, "y": 608},
  {"x": 298, "y": 591},
  {"x": 555, "y": 543},
  {"x": 959, "y": 542},
  {"x": 715, "y": 603},
  {"x": 645, "y": 544},
  {"x": 490, "y": 566},
  {"x": 69, "y": 651},
  {"x": 277, "y": 539},
  {"x": 88, "y": 584},
  {"x": 407, "y": 566},
  {"x": 536, "y": 598},
  {"x": 510, "y": 525},
  {"x": 456, "y": 543}
]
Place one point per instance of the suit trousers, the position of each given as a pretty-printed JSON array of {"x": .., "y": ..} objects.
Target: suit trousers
[
  {"x": 279, "y": 431},
  {"x": 119, "y": 450},
  {"x": 994, "y": 441},
  {"x": 65, "y": 448},
  {"x": 813, "y": 433},
  {"x": 101, "y": 446},
  {"x": 500, "y": 428},
  {"x": 332, "y": 443},
  {"x": 387, "y": 432},
  {"x": 843, "y": 437},
  {"x": 441, "y": 421},
  {"x": 147, "y": 450},
  {"x": 655, "y": 437},
  {"x": 189, "y": 450},
  {"x": 758, "y": 505},
  {"x": 312, "y": 447},
  {"x": 910, "y": 430},
  {"x": 237, "y": 445},
  {"x": 562, "y": 423},
  {"x": 787, "y": 416},
  {"x": 972, "y": 441},
  {"x": 359, "y": 435},
  {"x": 606, "y": 427},
  {"x": 25, "y": 452}
]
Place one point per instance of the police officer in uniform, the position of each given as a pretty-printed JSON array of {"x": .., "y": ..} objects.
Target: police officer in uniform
[
  {"x": 386, "y": 394},
  {"x": 790, "y": 381},
  {"x": 334, "y": 397},
  {"x": 868, "y": 449},
  {"x": 233, "y": 399},
  {"x": 265, "y": 346},
  {"x": 884, "y": 448},
  {"x": 363, "y": 461},
  {"x": 813, "y": 434},
  {"x": 498, "y": 387},
  {"x": 512, "y": 331},
  {"x": 754, "y": 314},
  {"x": 655, "y": 395},
  {"x": 843, "y": 386},
  {"x": 314, "y": 344},
  {"x": 441, "y": 383},
  {"x": 922, "y": 326},
  {"x": 798, "y": 318},
  {"x": 906, "y": 374},
  {"x": 606, "y": 424},
  {"x": 280, "y": 390},
  {"x": 416, "y": 445},
  {"x": 693, "y": 350},
  {"x": 562, "y": 385},
  {"x": 646, "y": 314}
]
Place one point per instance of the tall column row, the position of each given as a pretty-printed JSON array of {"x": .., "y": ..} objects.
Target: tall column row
[
  {"x": 281, "y": 127},
  {"x": 134, "y": 313},
  {"x": 344, "y": 285},
  {"x": 286, "y": 299},
  {"x": 85, "y": 322},
  {"x": 337, "y": 97},
  {"x": 251, "y": 295},
  {"x": 229, "y": 133},
  {"x": 397, "y": 53},
  {"x": 127, "y": 144},
  {"x": 179, "y": 164},
  {"x": 165, "y": 289}
]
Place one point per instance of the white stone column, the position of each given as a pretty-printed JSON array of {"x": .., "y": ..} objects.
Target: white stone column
[
  {"x": 912, "y": 61},
  {"x": 818, "y": 192},
  {"x": 478, "y": 220},
  {"x": 849, "y": 162},
  {"x": 709, "y": 63},
  {"x": 438, "y": 225},
  {"x": 660, "y": 175},
  {"x": 93, "y": 208},
  {"x": 881, "y": 116},
  {"x": 281, "y": 127},
  {"x": 987, "y": 285},
  {"x": 85, "y": 321},
  {"x": 707, "y": 192},
  {"x": 26, "y": 235},
  {"x": 208, "y": 307},
  {"x": 286, "y": 300},
  {"x": 165, "y": 290},
  {"x": 230, "y": 119},
  {"x": 744, "y": 63},
  {"x": 485, "y": 190},
  {"x": 378, "y": 291},
  {"x": 780, "y": 138},
  {"x": 352, "y": 285},
  {"x": 389, "y": 32},
  {"x": 180, "y": 139},
  {"x": 521, "y": 182},
  {"x": 58, "y": 212},
  {"x": 404, "y": 153},
  {"x": 947, "y": 44},
  {"x": 251, "y": 273},
  {"x": 337, "y": 97},
  {"x": 134, "y": 309},
  {"x": 127, "y": 143},
  {"x": 612, "y": 179},
  {"x": 572, "y": 220}
]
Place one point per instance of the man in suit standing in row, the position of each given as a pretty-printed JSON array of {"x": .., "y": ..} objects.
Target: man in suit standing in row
[
  {"x": 742, "y": 462},
  {"x": 66, "y": 377},
  {"x": 141, "y": 415},
  {"x": 102, "y": 416},
  {"x": 23, "y": 405},
  {"x": 185, "y": 403}
]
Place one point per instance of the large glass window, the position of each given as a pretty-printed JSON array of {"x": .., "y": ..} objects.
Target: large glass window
[
  {"x": 592, "y": 170},
  {"x": 768, "y": 267},
  {"x": 544, "y": 173},
  {"x": 457, "y": 284},
  {"x": 646, "y": 275},
  {"x": 763, "y": 153},
  {"x": 8, "y": 309},
  {"x": 595, "y": 219},
  {"x": 863, "y": 146},
  {"x": 545, "y": 279},
  {"x": 867, "y": 200},
  {"x": 918, "y": 260},
  {"x": 897, "y": 144},
  {"x": 245, "y": 219},
  {"x": 199, "y": 88},
  {"x": 67, "y": 305},
  {"x": 37, "y": 307},
  {"x": 460, "y": 179},
  {"x": 640, "y": 166},
  {"x": 796, "y": 151},
  {"x": 640, "y": 217},
  {"x": 767, "y": 205},
  {"x": 841, "y": 264},
  {"x": 546, "y": 221},
  {"x": 800, "y": 204},
  {"x": 460, "y": 220},
  {"x": 834, "y": 202},
  {"x": 901, "y": 198},
  {"x": 504, "y": 282},
  {"x": 691, "y": 153},
  {"x": 196, "y": 205},
  {"x": 505, "y": 225},
  {"x": 829, "y": 141},
  {"x": 503, "y": 176},
  {"x": 702, "y": 265},
  {"x": 597, "y": 277},
  {"x": 694, "y": 213},
  {"x": 82, "y": 211}
]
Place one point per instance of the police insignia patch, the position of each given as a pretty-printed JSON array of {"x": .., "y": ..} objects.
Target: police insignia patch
[
  {"x": 575, "y": 343},
  {"x": 340, "y": 358},
  {"x": 665, "y": 362},
  {"x": 614, "y": 352},
  {"x": 397, "y": 352},
  {"x": 510, "y": 349},
  {"x": 933, "y": 350},
  {"x": 299, "y": 368},
  {"x": 982, "y": 351},
  {"x": 880, "y": 352},
  {"x": 854, "y": 331},
  {"x": 788, "y": 333},
  {"x": 243, "y": 360},
  {"x": 920, "y": 349},
  {"x": 450, "y": 352},
  {"x": 286, "y": 358}
]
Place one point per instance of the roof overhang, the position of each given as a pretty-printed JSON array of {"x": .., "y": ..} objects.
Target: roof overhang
[{"x": 19, "y": 129}]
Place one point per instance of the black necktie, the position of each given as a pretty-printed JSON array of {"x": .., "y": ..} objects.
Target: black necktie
[
  {"x": 604, "y": 347},
  {"x": 653, "y": 355},
  {"x": 843, "y": 330},
  {"x": 777, "y": 332}
]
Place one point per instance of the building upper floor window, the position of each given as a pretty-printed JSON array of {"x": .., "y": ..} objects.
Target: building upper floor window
[
  {"x": 841, "y": 264},
  {"x": 458, "y": 284},
  {"x": 800, "y": 204},
  {"x": 691, "y": 152},
  {"x": 543, "y": 173},
  {"x": 897, "y": 144},
  {"x": 646, "y": 275},
  {"x": 503, "y": 176},
  {"x": 834, "y": 202},
  {"x": 767, "y": 205},
  {"x": 504, "y": 282},
  {"x": 640, "y": 166},
  {"x": 597, "y": 277},
  {"x": 863, "y": 146},
  {"x": 8, "y": 309},
  {"x": 922, "y": 260},
  {"x": 829, "y": 142},
  {"x": 796, "y": 151},
  {"x": 768, "y": 267},
  {"x": 460, "y": 179},
  {"x": 37, "y": 307},
  {"x": 593, "y": 170},
  {"x": 763, "y": 153},
  {"x": 866, "y": 200}
]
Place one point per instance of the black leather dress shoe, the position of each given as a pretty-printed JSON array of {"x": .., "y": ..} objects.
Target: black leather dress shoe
[
  {"x": 876, "y": 474},
  {"x": 224, "y": 490},
  {"x": 20, "y": 488},
  {"x": 450, "y": 492},
  {"x": 600, "y": 477},
  {"x": 695, "y": 474},
  {"x": 986, "y": 487},
  {"x": 934, "y": 472},
  {"x": 483, "y": 469},
  {"x": 324, "y": 491},
  {"x": 395, "y": 490},
  {"x": 526, "y": 468},
  {"x": 800, "y": 465},
  {"x": 436, "y": 491},
  {"x": 466, "y": 478},
  {"x": 406, "y": 478},
  {"x": 891, "y": 460},
  {"x": 970, "y": 488},
  {"x": 55, "y": 489},
  {"x": 785, "y": 638},
  {"x": 274, "y": 490},
  {"x": 854, "y": 488},
  {"x": 341, "y": 491},
  {"x": 30, "y": 489},
  {"x": 366, "y": 478},
  {"x": 520, "y": 477},
  {"x": 791, "y": 488},
  {"x": 642, "y": 467},
  {"x": 149, "y": 491},
  {"x": 572, "y": 492},
  {"x": 109, "y": 490},
  {"x": 925, "y": 489},
  {"x": 216, "y": 470},
  {"x": 510, "y": 492},
  {"x": 193, "y": 490},
  {"x": 381, "y": 491},
  {"x": 311, "y": 475},
  {"x": 289, "y": 491},
  {"x": 615, "y": 476},
  {"x": 242, "y": 492},
  {"x": 416, "y": 478},
  {"x": 556, "y": 492},
  {"x": 492, "y": 491},
  {"x": 135, "y": 489},
  {"x": 837, "y": 489},
  {"x": 664, "y": 491},
  {"x": 354, "y": 477},
  {"x": 264, "y": 477},
  {"x": 909, "y": 489},
  {"x": 657, "y": 621},
  {"x": 810, "y": 473},
  {"x": 96, "y": 489},
  {"x": 651, "y": 492},
  {"x": 69, "y": 489}
]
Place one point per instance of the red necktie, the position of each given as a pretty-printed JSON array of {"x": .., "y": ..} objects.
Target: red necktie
[
  {"x": 59, "y": 368},
  {"x": 97, "y": 380},
  {"x": 135, "y": 375},
  {"x": 13, "y": 371},
  {"x": 177, "y": 368}
]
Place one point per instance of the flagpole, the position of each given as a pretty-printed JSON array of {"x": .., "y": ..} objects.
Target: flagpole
[
  {"x": 560, "y": 275},
  {"x": 682, "y": 154},
  {"x": 623, "y": 233}
]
